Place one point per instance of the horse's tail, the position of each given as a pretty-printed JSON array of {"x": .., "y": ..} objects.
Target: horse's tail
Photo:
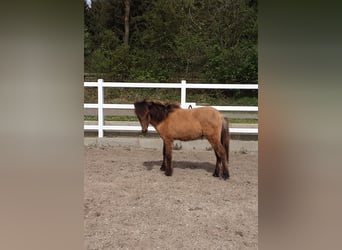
[{"x": 225, "y": 136}]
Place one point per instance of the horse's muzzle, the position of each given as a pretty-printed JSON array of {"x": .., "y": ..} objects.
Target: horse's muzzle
[{"x": 144, "y": 131}]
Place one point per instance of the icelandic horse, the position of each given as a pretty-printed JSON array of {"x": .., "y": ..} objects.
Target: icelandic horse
[{"x": 174, "y": 123}]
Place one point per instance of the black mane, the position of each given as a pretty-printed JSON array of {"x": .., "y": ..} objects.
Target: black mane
[{"x": 158, "y": 110}]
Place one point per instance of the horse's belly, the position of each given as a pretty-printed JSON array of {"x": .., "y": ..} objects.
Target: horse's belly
[
  {"x": 186, "y": 138},
  {"x": 186, "y": 134}
]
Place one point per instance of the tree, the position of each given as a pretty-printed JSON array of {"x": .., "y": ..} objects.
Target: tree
[
  {"x": 127, "y": 13},
  {"x": 162, "y": 40}
]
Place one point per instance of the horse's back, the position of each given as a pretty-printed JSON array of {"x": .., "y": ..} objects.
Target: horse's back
[
  {"x": 189, "y": 124},
  {"x": 201, "y": 114},
  {"x": 207, "y": 116}
]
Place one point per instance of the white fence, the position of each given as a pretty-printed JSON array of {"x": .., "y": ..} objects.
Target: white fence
[{"x": 100, "y": 84}]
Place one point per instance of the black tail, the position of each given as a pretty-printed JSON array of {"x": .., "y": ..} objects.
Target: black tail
[{"x": 225, "y": 136}]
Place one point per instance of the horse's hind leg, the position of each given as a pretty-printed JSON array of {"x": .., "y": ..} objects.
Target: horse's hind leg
[
  {"x": 225, "y": 138},
  {"x": 217, "y": 168},
  {"x": 225, "y": 171},
  {"x": 220, "y": 158}
]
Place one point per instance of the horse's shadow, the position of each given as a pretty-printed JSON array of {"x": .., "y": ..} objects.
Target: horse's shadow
[{"x": 209, "y": 167}]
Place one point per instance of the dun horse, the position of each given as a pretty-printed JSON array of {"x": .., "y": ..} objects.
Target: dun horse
[{"x": 174, "y": 123}]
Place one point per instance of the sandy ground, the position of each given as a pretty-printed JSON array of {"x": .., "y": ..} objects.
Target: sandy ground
[{"x": 130, "y": 204}]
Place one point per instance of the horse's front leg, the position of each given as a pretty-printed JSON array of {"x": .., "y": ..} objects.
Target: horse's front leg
[
  {"x": 168, "y": 157},
  {"x": 162, "y": 168}
]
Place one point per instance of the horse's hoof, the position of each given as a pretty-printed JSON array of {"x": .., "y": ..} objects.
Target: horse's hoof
[
  {"x": 162, "y": 168},
  {"x": 168, "y": 173},
  {"x": 215, "y": 174},
  {"x": 225, "y": 176}
]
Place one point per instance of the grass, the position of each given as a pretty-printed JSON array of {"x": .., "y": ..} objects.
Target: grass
[
  {"x": 208, "y": 97},
  {"x": 133, "y": 118},
  {"x": 243, "y": 121},
  {"x": 198, "y": 96}
]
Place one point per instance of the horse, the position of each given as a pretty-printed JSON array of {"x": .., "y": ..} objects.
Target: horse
[{"x": 174, "y": 123}]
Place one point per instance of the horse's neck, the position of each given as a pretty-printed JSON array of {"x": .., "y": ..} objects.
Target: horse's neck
[
  {"x": 158, "y": 114},
  {"x": 153, "y": 122}
]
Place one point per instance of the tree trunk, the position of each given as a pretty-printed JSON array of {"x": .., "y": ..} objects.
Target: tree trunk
[{"x": 127, "y": 10}]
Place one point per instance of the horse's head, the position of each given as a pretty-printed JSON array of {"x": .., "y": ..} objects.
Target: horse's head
[{"x": 141, "y": 110}]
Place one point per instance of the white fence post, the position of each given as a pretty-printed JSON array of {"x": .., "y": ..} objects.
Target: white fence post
[
  {"x": 183, "y": 94},
  {"x": 100, "y": 106}
]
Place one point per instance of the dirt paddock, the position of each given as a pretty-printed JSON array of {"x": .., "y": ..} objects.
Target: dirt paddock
[{"x": 130, "y": 204}]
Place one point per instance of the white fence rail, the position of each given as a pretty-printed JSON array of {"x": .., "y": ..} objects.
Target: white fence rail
[{"x": 100, "y": 105}]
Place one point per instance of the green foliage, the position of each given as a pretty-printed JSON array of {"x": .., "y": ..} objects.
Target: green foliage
[
  {"x": 120, "y": 62},
  {"x": 234, "y": 64},
  {"x": 100, "y": 60},
  {"x": 204, "y": 41}
]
